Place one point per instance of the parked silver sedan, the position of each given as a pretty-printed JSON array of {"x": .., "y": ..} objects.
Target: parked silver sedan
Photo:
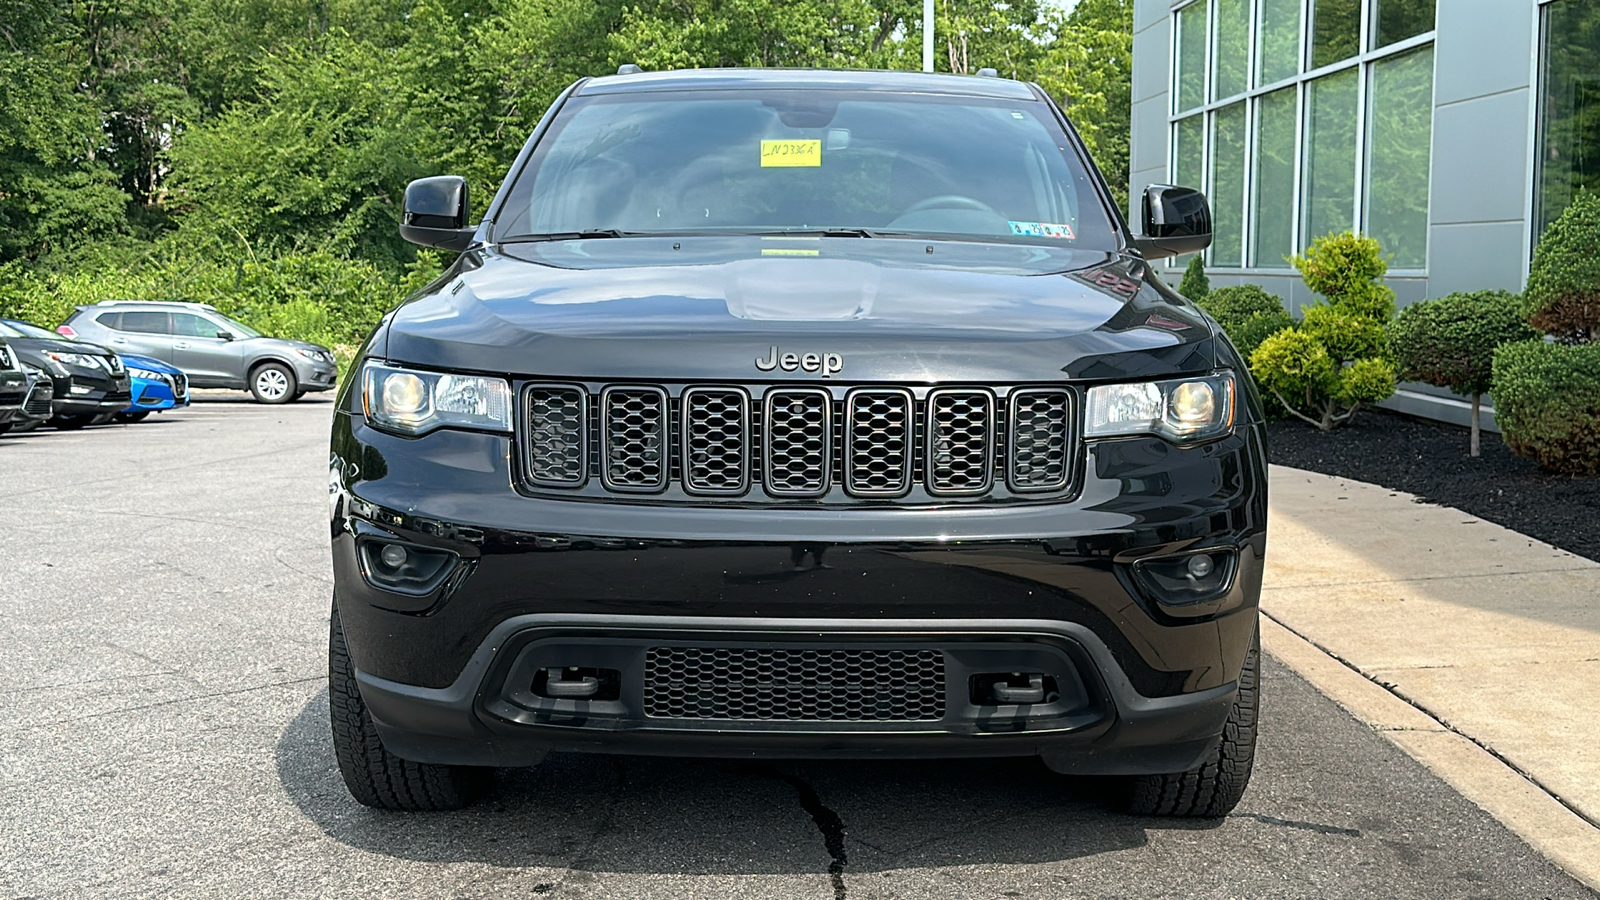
[{"x": 212, "y": 349}]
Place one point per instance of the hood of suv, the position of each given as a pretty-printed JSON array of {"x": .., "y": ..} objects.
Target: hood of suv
[{"x": 799, "y": 314}]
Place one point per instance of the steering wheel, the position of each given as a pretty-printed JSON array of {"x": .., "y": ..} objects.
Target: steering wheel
[{"x": 952, "y": 201}]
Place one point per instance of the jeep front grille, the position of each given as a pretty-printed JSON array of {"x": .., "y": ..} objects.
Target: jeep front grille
[
  {"x": 960, "y": 441},
  {"x": 1040, "y": 429},
  {"x": 556, "y": 434},
  {"x": 793, "y": 684},
  {"x": 634, "y": 438},
  {"x": 797, "y": 456},
  {"x": 716, "y": 440},
  {"x": 837, "y": 445},
  {"x": 878, "y": 442}
]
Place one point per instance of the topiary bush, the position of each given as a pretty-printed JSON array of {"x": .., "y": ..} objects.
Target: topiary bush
[
  {"x": 1450, "y": 343},
  {"x": 1247, "y": 313},
  {"x": 1563, "y": 293},
  {"x": 1335, "y": 361},
  {"x": 1547, "y": 401},
  {"x": 1547, "y": 393},
  {"x": 1195, "y": 285}
]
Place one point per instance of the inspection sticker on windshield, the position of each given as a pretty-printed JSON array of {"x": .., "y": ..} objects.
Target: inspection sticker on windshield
[
  {"x": 1042, "y": 229},
  {"x": 791, "y": 153}
]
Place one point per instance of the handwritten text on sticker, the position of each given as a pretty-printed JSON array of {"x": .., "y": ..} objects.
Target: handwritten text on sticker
[
  {"x": 791, "y": 153},
  {"x": 1042, "y": 229}
]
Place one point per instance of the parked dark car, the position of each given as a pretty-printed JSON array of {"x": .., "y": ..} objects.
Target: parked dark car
[
  {"x": 13, "y": 387},
  {"x": 213, "y": 350},
  {"x": 798, "y": 414},
  {"x": 91, "y": 384},
  {"x": 39, "y": 405}
]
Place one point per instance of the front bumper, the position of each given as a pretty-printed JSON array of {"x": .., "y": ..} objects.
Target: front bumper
[
  {"x": 151, "y": 396},
  {"x": 315, "y": 376},
  {"x": 1046, "y": 588}
]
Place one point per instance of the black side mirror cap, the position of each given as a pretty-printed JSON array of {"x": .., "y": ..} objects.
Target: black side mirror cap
[
  {"x": 435, "y": 213},
  {"x": 1177, "y": 220},
  {"x": 225, "y": 335}
]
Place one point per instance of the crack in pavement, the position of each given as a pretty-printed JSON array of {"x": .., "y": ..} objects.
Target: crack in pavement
[{"x": 827, "y": 821}]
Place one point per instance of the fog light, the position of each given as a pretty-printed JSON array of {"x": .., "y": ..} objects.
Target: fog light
[
  {"x": 1186, "y": 579},
  {"x": 405, "y": 569}
]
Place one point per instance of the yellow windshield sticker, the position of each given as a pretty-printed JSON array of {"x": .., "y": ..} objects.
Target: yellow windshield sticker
[
  {"x": 791, "y": 153},
  {"x": 774, "y": 251}
]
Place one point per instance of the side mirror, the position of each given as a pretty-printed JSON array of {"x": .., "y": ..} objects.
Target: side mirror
[
  {"x": 225, "y": 335},
  {"x": 1177, "y": 220},
  {"x": 435, "y": 213}
]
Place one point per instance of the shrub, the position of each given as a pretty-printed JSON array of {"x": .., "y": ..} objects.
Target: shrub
[
  {"x": 1348, "y": 269},
  {"x": 1450, "y": 343},
  {"x": 1563, "y": 294},
  {"x": 1247, "y": 313},
  {"x": 1326, "y": 368},
  {"x": 1547, "y": 401},
  {"x": 1195, "y": 285}
]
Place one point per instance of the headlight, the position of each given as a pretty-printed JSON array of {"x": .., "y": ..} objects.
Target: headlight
[
  {"x": 1182, "y": 409},
  {"x": 313, "y": 355},
  {"x": 411, "y": 401},
  {"x": 146, "y": 374},
  {"x": 81, "y": 360}
]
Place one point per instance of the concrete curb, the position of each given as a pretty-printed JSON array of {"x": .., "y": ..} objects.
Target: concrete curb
[{"x": 1522, "y": 806}]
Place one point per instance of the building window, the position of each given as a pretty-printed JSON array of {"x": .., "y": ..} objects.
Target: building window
[
  {"x": 1399, "y": 123},
  {"x": 1569, "y": 107},
  {"x": 1301, "y": 118}
]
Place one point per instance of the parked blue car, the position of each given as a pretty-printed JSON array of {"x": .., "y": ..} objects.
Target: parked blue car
[{"x": 155, "y": 386}]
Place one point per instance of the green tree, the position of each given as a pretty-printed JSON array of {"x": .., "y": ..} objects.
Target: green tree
[
  {"x": 1334, "y": 362},
  {"x": 1195, "y": 285},
  {"x": 1088, "y": 69},
  {"x": 1450, "y": 343}
]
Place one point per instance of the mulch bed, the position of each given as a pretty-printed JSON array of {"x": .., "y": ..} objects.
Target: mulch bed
[{"x": 1430, "y": 459}]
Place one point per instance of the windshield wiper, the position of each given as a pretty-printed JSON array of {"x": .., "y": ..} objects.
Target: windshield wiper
[
  {"x": 821, "y": 232},
  {"x": 571, "y": 236}
]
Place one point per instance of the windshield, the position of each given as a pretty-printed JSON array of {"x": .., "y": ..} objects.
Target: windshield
[
  {"x": 855, "y": 163},
  {"x": 13, "y": 328}
]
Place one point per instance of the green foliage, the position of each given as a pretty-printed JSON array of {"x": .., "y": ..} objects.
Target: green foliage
[
  {"x": 1335, "y": 361},
  {"x": 1247, "y": 313},
  {"x": 1195, "y": 285},
  {"x": 252, "y": 153},
  {"x": 1547, "y": 403},
  {"x": 1563, "y": 294},
  {"x": 315, "y": 296},
  {"x": 1450, "y": 342},
  {"x": 1088, "y": 69},
  {"x": 1348, "y": 270}
]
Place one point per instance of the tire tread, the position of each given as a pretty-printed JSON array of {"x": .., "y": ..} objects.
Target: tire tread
[{"x": 375, "y": 776}]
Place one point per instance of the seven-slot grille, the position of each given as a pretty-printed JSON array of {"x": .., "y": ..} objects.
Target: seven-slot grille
[
  {"x": 799, "y": 441},
  {"x": 893, "y": 685}
]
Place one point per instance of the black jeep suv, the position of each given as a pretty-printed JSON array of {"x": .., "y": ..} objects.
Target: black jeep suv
[{"x": 798, "y": 414}]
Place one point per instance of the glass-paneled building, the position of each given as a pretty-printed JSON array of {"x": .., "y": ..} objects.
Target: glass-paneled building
[{"x": 1451, "y": 130}]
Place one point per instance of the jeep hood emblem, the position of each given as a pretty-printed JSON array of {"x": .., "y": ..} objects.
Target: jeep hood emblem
[{"x": 825, "y": 364}]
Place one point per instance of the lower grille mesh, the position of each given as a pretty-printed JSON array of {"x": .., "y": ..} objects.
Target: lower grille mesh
[{"x": 793, "y": 684}]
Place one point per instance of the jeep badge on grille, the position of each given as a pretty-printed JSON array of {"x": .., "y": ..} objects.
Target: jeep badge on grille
[{"x": 826, "y": 363}]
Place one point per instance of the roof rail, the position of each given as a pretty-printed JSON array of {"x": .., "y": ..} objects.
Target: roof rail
[
  {"x": 628, "y": 69},
  {"x": 988, "y": 72}
]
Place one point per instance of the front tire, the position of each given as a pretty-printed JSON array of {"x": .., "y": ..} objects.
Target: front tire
[
  {"x": 375, "y": 776},
  {"x": 1212, "y": 789},
  {"x": 71, "y": 423},
  {"x": 272, "y": 383}
]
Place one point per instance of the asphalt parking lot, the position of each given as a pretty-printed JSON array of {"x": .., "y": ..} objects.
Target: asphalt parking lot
[{"x": 165, "y": 596}]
